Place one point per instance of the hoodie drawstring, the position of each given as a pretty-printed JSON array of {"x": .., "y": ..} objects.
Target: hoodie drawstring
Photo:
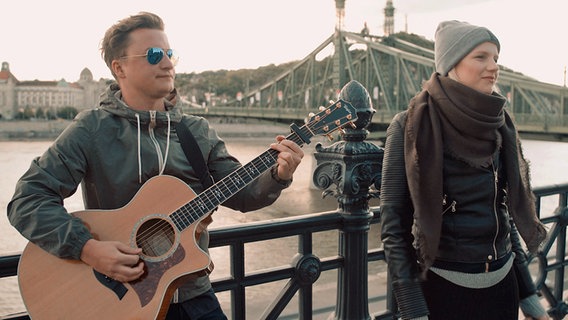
[
  {"x": 167, "y": 143},
  {"x": 161, "y": 159},
  {"x": 139, "y": 157}
]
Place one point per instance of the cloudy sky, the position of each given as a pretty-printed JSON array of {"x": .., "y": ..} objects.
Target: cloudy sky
[{"x": 51, "y": 40}]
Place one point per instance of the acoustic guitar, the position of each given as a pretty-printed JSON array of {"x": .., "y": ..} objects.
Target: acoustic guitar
[{"x": 166, "y": 230}]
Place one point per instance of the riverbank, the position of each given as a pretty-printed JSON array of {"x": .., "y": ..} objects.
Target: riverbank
[
  {"x": 20, "y": 130},
  {"x": 226, "y": 127},
  {"x": 39, "y": 130}
]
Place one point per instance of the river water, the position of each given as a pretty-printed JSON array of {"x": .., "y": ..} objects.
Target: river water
[{"x": 548, "y": 166}]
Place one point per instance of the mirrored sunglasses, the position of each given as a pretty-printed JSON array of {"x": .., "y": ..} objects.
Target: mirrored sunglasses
[{"x": 155, "y": 55}]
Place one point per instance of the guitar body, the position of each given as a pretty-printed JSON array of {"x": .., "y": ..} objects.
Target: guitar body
[{"x": 54, "y": 288}]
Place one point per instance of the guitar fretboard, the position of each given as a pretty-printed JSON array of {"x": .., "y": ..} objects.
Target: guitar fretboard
[{"x": 218, "y": 193}]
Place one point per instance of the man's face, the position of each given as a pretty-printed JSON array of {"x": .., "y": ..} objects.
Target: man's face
[{"x": 137, "y": 76}]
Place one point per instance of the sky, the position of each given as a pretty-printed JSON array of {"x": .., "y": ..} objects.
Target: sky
[{"x": 57, "y": 39}]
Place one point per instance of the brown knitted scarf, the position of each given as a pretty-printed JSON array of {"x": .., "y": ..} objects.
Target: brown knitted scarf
[{"x": 472, "y": 126}]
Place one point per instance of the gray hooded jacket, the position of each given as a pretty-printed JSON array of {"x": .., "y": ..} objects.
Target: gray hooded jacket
[{"x": 112, "y": 151}]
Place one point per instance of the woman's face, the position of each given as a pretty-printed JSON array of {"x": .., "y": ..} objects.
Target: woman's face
[{"x": 479, "y": 69}]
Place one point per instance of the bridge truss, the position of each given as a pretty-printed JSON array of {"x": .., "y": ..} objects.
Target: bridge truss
[{"x": 393, "y": 73}]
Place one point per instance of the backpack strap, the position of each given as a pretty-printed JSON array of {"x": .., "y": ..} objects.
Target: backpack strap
[{"x": 193, "y": 154}]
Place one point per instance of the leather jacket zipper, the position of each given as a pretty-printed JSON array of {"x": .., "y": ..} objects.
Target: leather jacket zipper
[
  {"x": 495, "y": 187},
  {"x": 452, "y": 205}
]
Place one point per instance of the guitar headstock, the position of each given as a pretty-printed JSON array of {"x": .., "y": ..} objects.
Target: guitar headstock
[{"x": 335, "y": 117}]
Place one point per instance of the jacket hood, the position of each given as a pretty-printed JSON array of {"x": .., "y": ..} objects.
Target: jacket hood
[{"x": 111, "y": 101}]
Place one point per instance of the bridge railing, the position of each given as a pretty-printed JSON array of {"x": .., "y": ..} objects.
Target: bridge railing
[
  {"x": 547, "y": 124},
  {"x": 301, "y": 273},
  {"x": 544, "y": 124}
]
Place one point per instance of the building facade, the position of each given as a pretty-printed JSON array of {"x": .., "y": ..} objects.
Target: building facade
[{"x": 46, "y": 96}]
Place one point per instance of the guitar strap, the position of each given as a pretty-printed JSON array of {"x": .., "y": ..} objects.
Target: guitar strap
[
  {"x": 195, "y": 158},
  {"x": 194, "y": 155}
]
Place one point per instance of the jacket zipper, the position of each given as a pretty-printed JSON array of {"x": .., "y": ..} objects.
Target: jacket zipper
[
  {"x": 452, "y": 206},
  {"x": 495, "y": 186},
  {"x": 151, "y": 127}
]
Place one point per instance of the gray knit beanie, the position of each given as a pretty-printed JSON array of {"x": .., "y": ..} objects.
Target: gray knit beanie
[{"x": 455, "y": 39}]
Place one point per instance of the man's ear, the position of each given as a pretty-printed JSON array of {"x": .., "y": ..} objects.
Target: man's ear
[{"x": 117, "y": 69}]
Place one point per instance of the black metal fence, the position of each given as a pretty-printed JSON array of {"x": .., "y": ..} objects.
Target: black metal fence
[{"x": 302, "y": 273}]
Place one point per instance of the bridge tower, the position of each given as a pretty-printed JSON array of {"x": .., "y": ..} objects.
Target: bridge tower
[
  {"x": 340, "y": 14},
  {"x": 338, "y": 78},
  {"x": 389, "y": 19}
]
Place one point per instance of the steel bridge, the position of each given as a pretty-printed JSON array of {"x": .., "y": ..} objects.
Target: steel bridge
[{"x": 393, "y": 71}]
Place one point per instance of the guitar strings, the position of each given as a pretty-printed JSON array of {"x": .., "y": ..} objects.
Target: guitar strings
[
  {"x": 205, "y": 202},
  {"x": 157, "y": 242},
  {"x": 147, "y": 235},
  {"x": 265, "y": 160},
  {"x": 250, "y": 168}
]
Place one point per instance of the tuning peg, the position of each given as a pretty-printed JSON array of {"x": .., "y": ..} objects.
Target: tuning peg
[
  {"x": 321, "y": 108},
  {"x": 309, "y": 118},
  {"x": 352, "y": 125},
  {"x": 342, "y": 131},
  {"x": 329, "y": 137}
]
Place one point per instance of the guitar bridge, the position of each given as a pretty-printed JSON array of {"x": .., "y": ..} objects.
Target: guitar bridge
[{"x": 115, "y": 286}]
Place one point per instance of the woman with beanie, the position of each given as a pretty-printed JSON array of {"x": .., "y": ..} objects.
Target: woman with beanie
[{"x": 456, "y": 199}]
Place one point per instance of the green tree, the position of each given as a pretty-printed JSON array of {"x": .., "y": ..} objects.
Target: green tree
[
  {"x": 67, "y": 113},
  {"x": 40, "y": 114},
  {"x": 28, "y": 112}
]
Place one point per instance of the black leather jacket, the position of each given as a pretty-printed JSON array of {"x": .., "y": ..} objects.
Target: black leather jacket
[{"x": 476, "y": 226}]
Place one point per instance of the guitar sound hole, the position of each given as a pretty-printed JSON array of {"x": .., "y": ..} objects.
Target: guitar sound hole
[{"x": 156, "y": 237}]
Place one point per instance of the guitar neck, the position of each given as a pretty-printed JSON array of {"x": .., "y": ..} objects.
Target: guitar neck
[{"x": 218, "y": 193}]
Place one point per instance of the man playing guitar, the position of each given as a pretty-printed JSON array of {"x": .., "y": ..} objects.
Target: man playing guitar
[{"x": 112, "y": 151}]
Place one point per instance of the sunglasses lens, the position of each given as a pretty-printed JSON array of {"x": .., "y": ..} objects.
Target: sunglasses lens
[
  {"x": 155, "y": 55},
  {"x": 172, "y": 54}
]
